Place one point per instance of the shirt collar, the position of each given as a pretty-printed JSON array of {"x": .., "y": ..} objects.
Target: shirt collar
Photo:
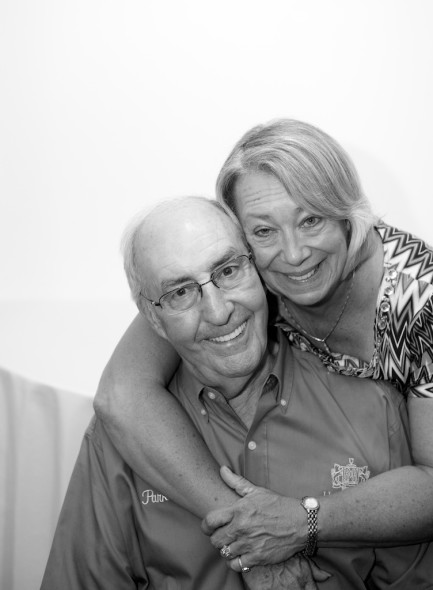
[{"x": 281, "y": 374}]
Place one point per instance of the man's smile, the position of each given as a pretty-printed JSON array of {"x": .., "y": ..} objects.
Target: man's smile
[{"x": 231, "y": 336}]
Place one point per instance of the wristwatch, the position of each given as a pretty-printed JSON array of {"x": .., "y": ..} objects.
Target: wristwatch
[{"x": 312, "y": 506}]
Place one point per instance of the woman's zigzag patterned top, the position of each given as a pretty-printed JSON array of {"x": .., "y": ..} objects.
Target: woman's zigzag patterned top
[{"x": 404, "y": 320}]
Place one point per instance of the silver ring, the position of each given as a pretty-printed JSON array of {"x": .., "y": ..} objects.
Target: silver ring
[
  {"x": 244, "y": 570},
  {"x": 225, "y": 552}
]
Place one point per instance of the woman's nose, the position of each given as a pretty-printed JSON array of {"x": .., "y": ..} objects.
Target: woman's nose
[{"x": 294, "y": 250}]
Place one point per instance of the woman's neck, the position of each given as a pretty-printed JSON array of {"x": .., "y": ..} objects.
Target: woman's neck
[{"x": 348, "y": 313}]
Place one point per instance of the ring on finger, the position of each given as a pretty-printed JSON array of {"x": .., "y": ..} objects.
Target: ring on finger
[
  {"x": 244, "y": 570},
  {"x": 225, "y": 552}
]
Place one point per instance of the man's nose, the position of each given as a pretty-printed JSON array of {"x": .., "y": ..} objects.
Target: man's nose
[{"x": 217, "y": 307}]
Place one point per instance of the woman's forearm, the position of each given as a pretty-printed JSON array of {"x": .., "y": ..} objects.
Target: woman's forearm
[
  {"x": 395, "y": 506},
  {"x": 391, "y": 509},
  {"x": 149, "y": 427}
]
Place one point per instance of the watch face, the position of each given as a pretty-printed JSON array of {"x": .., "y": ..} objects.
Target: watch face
[{"x": 311, "y": 503}]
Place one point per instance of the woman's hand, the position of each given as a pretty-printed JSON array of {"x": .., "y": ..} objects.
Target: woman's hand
[{"x": 263, "y": 527}]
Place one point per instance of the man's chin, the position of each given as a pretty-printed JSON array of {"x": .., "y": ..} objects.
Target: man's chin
[{"x": 240, "y": 365}]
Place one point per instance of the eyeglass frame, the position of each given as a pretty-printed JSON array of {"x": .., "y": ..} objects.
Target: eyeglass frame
[{"x": 157, "y": 303}]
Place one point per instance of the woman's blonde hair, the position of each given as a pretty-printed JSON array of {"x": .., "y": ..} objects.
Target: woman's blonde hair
[{"x": 315, "y": 171}]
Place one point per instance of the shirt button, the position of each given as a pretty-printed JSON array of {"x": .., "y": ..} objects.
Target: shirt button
[
  {"x": 252, "y": 445},
  {"x": 283, "y": 402},
  {"x": 211, "y": 395},
  {"x": 203, "y": 411}
]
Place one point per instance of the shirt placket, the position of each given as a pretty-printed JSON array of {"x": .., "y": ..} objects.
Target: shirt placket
[{"x": 256, "y": 450}]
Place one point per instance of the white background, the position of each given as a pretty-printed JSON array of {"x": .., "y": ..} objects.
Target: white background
[{"x": 108, "y": 105}]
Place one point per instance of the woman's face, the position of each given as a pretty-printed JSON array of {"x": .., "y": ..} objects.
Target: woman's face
[{"x": 300, "y": 255}]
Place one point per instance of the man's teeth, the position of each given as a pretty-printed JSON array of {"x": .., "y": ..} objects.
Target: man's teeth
[
  {"x": 303, "y": 277},
  {"x": 230, "y": 336}
]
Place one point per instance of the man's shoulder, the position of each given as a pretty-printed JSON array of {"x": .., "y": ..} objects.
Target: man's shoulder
[
  {"x": 292, "y": 355},
  {"x": 95, "y": 432},
  {"x": 309, "y": 369},
  {"x": 97, "y": 441}
]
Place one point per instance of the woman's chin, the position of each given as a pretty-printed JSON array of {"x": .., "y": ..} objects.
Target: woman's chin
[
  {"x": 314, "y": 290},
  {"x": 299, "y": 295}
]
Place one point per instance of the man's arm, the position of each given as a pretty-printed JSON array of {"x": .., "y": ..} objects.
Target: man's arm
[
  {"x": 89, "y": 550},
  {"x": 298, "y": 573}
]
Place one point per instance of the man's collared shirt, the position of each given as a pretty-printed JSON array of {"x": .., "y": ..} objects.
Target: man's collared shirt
[
  {"x": 316, "y": 433},
  {"x": 313, "y": 433}
]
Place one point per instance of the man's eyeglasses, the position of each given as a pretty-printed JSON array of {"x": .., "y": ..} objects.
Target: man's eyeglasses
[{"x": 227, "y": 277}]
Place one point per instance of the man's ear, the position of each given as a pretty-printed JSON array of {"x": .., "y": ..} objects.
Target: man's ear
[
  {"x": 158, "y": 327},
  {"x": 149, "y": 312}
]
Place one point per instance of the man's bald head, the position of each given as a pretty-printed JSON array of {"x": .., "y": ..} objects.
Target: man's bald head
[{"x": 171, "y": 222}]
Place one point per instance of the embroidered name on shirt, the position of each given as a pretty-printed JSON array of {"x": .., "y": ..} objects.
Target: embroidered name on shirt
[
  {"x": 150, "y": 496},
  {"x": 344, "y": 476}
]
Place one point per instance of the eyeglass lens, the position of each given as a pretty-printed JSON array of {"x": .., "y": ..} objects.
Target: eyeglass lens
[{"x": 226, "y": 278}]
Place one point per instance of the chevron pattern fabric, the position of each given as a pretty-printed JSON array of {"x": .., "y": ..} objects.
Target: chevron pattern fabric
[{"x": 404, "y": 320}]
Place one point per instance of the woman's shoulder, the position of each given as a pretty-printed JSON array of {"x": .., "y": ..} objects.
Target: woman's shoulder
[{"x": 407, "y": 253}]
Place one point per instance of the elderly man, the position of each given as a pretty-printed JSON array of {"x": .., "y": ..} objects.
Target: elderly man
[{"x": 261, "y": 408}]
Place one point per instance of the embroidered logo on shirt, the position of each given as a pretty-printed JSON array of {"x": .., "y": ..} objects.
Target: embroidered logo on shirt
[
  {"x": 150, "y": 496},
  {"x": 344, "y": 476}
]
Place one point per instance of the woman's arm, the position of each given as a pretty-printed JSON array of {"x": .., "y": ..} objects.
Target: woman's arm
[
  {"x": 393, "y": 508},
  {"x": 149, "y": 427}
]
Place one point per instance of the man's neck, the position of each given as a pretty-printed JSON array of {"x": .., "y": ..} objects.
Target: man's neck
[
  {"x": 231, "y": 387},
  {"x": 244, "y": 401},
  {"x": 258, "y": 379}
]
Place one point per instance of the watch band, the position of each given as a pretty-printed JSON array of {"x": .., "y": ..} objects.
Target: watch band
[{"x": 311, "y": 505}]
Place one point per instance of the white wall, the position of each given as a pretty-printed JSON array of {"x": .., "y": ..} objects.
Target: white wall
[{"x": 106, "y": 105}]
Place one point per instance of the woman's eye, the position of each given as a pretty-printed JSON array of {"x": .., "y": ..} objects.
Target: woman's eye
[
  {"x": 262, "y": 232},
  {"x": 311, "y": 221}
]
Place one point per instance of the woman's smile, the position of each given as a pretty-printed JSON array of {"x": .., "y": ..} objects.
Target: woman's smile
[
  {"x": 300, "y": 255},
  {"x": 304, "y": 276}
]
